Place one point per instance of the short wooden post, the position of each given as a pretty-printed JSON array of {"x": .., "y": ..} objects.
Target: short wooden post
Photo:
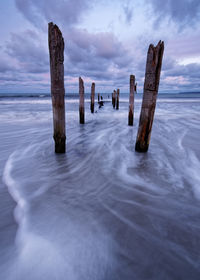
[
  {"x": 56, "y": 54},
  {"x": 92, "y": 97},
  {"x": 117, "y": 100},
  {"x": 114, "y": 98},
  {"x": 131, "y": 100},
  {"x": 151, "y": 84},
  {"x": 81, "y": 101}
]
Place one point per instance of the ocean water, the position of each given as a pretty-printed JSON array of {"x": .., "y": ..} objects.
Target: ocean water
[{"x": 101, "y": 211}]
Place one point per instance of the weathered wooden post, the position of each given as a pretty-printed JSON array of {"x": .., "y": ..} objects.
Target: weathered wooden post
[
  {"x": 151, "y": 84},
  {"x": 131, "y": 100},
  {"x": 92, "y": 97},
  {"x": 117, "y": 101},
  {"x": 81, "y": 101},
  {"x": 114, "y": 98},
  {"x": 56, "y": 53}
]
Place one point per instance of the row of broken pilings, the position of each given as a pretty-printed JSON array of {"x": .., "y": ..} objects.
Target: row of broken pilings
[
  {"x": 151, "y": 85},
  {"x": 92, "y": 100}
]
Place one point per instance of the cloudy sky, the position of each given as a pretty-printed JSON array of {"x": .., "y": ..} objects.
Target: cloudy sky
[{"x": 105, "y": 42}]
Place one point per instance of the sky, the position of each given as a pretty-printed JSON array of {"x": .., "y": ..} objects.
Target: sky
[{"x": 105, "y": 42}]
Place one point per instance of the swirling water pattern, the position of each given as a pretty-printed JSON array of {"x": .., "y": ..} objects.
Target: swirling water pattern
[{"x": 101, "y": 211}]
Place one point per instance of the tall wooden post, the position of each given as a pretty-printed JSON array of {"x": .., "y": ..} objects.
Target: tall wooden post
[
  {"x": 114, "y": 98},
  {"x": 131, "y": 100},
  {"x": 151, "y": 84},
  {"x": 81, "y": 101},
  {"x": 56, "y": 53},
  {"x": 92, "y": 97},
  {"x": 117, "y": 101}
]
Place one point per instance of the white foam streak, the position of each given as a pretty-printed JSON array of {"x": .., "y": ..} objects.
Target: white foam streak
[
  {"x": 13, "y": 188},
  {"x": 192, "y": 173}
]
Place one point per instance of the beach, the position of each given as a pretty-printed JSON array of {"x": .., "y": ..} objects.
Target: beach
[{"x": 102, "y": 210}]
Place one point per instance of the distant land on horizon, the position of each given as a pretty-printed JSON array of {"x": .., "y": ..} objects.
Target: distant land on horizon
[{"x": 71, "y": 94}]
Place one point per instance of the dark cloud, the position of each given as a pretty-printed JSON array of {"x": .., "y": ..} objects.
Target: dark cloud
[
  {"x": 14, "y": 81},
  {"x": 180, "y": 77},
  {"x": 98, "y": 55},
  {"x": 182, "y": 12},
  {"x": 63, "y": 12},
  {"x": 101, "y": 55},
  {"x": 102, "y": 44},
  {"x": 30, "y": 11},
  {"x": 28, "y": 51},
  {"x": 189, "y": 71},
  {"x": 24, "y": 62}
]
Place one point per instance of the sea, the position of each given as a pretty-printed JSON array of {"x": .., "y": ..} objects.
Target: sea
[{"x": 101, "y": 211}]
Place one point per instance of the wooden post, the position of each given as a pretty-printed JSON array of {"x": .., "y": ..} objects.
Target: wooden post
[
  {"x": 151, "y": 84},
  {"x": 131, "y": 100},
  {"x": 92, "y": 97},
  {"x": 114, "y": 98},
  {"x": 81, "y": 101},
  {"x": 56, "y": 53},
  {"x": 98, "y": 97},
  {"x": 136, "y": 88},
  {"x": 117, "y": 101}
]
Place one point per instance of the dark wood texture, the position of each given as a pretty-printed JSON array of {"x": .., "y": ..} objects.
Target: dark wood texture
[
  {"x": 151, "y": 85},
  {"x": 81, "y": 101},
  {"x": 131, "y": 101},
  {"x": 117, "y": 100},
  {"x": 114, "y": 98},
  {"x": 92, "y": 97},
  {"x": 56, "y": 52}
]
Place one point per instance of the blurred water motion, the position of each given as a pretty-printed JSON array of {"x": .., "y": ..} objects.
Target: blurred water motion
[{"x": 101, "y": 211}]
